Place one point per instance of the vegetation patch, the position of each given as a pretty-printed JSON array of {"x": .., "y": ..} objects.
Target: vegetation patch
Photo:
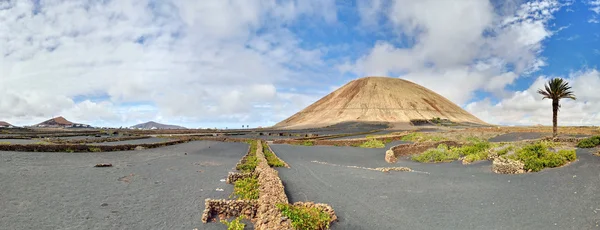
[
  {"x": 272, "y": 159},
  {"x": 4, "y": 143},
  {"x": 235, "y": 224},
  {"x": 589, "y": 142},
  {"x": 538, "y": 156},
  {"x": 372, "y": 143},
  {"x": 305, "y": 217},
  {"x": 250, "y": 161},
  {"x": 423, "y": 137},
  {"x": 308, "y": 143},
  {"x": 246, "y": 188},
  {"x": 475, "y": 151},
  {"x": 95, "y": 149}
]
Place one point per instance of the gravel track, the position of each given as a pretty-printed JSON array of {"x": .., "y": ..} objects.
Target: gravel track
[
  {"x": 441, "y": 196},
  {"x": 158, "y": 188}
]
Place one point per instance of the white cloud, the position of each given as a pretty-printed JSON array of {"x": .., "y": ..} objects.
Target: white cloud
[
  {"x": 185, "y": 60},
  {"x": 527, "y": 107},
  {"x": 458, "y": 47}
]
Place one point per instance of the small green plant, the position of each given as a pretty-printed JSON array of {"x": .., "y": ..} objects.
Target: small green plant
[
  {"x": 589, "y": 142},
  {"x": 538, "y": 156},
  {"x": 94, "y": 149},
  {"x": 251, "y": 161},
  {"x": 412, "y": 137},
  {"x": 440, "y": 154},
  {"x": 372, "y": 143},
  {"x": 235, "y": 224},
  {"x": 246, "y": 188},
  {"x": 272, "y": 159},
  {"x": 308, "y": 143},
  {"x": 305, "y": 218}
]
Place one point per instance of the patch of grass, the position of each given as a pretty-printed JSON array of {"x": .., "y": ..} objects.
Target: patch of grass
[
  {"x": 308, "y": 143},
  {"x": 305, "y": 218},
  {"x": 422, "y": 137},
  {"x": 272, "y": 159},
  {"x": 251, "y": 161},
  {"x": 538, "y": 156},
  {"x": 471, "y": 152},
  {"x": 372, "y": 143},
  {"x": 235, "y": 224},
  {"x": 589, "y": 142},
  {"x": 246, "y": 188},
  {"x": 5, "y": 143},
  {"x": 440, "y": 154},
  {"x": 95, "y": 149}
]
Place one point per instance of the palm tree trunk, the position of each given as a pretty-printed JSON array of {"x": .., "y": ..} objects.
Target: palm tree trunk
[{"x": 554, "y": 117}]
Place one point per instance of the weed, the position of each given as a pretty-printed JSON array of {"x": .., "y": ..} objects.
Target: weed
[
  {"x": 95, "y": 149},
  {"x": 308, "y": 143},
  {"x": 235, "y": 224},
  {"x": 589, "y": 142},
  {"x": 246, "y": 188},
  {"x": 372, "y": 143},
  {"x": 305, "y": 218},
  {"x": 272, "y": 159},
  {"x": 251, "y": 161},
  {"x": 538, "y": 156}
]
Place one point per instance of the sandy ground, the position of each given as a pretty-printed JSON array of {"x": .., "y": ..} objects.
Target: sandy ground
[
  {"x": 151, "y": 189},
  {"x": 441, "y": 196},
  {"x": 135, "y": 142}
]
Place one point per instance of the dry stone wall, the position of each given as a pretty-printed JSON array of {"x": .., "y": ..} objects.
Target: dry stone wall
[{"x": 391, "y": 156}]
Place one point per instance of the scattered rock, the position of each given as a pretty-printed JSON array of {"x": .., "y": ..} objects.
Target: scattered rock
[
  {"x": 103, "y": 165},
  {"x": 104, "y": 204},
  {"x": 219, "y": 189},
  {"x": 140, "y": 148},
  {"x": 507, "y": 166}
]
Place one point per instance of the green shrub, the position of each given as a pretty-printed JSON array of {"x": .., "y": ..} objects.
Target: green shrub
[
  {"x": 95, "y": 149},
  {"x": 589, "y": 142},
  {"x": 504, "y": 151},
  {"x": 412, "y": 137},
  {"x": 538, "y": 156},
  {"x": 308, "y": 143},
  {"x": 235, "y": 224},
  {"x": 305, "y": 218},
  {"x": 440, "y": 154},
  {"x": 251, "y": 161},
  {"x": 372, "y": 143},
  {"x": 272, "y": 159},
  {"x": 246, "y": 188}
]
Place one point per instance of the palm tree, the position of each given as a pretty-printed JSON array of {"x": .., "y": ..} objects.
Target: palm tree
[{"x": 556, "y": 89}]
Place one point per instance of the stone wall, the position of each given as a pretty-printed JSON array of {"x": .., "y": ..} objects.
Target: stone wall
[
  {"x": 391, "y": 156},
  {"x": 232, "y": 177},
  {"x": 503, "y": 165},
  {"x": 271, "y": 192},
  {"x": 226, "y": 209}
]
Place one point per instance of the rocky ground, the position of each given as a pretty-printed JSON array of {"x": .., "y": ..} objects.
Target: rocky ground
[
  {"x": 441, "y": 196},
  {"x": 161, "y": 188}
]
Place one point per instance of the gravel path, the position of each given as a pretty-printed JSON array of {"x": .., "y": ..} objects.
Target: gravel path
[
  {"x": 151, "y": 189},
  {"x": 441, "y": 196}
]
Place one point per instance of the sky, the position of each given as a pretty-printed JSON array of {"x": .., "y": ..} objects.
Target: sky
[{"x": 228, "y": 63}]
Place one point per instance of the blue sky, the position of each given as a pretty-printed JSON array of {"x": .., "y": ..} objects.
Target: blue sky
[{"x": 230, "y": 63}]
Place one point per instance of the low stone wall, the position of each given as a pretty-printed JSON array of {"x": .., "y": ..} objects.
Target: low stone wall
[
  {"x": 351, "y": 143},
  {"x": 271, "y": 192},
  {"x": 285, "y": 163},
  {"x": 226, "y": 209},
  {"x": 232, "y": 177},
  {"x": 84, "y": 148},
  {"x": 391, "y": 156},
  {"x": 97, "y": 140}
]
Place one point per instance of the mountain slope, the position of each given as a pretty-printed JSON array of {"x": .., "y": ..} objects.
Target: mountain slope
[
  {"x": 378, "y": 99},
  {"x": 152, "y": 124}
]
